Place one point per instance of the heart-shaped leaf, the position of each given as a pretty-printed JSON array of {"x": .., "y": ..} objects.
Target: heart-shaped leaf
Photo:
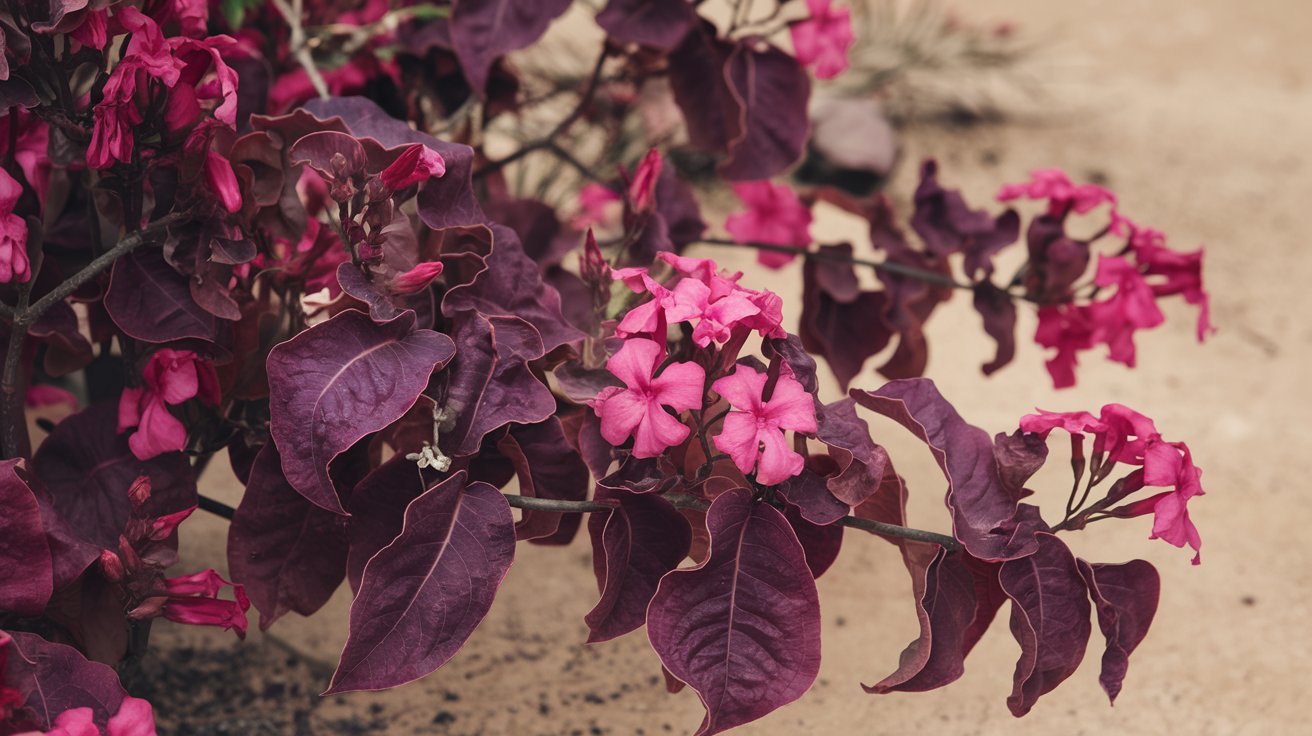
[
  {"x": 26, "y": 569},
  {"x": 1125, "y": 597},
  {"x": 53, "y": 678}
]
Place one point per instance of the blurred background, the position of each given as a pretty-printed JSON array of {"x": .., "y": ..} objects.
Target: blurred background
[{"x": 1198, "y": 114}]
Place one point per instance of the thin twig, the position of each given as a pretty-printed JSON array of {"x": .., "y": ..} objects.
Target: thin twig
[
  {"x": 292, "y": 14},
  {"x": 900, "y": 269}
]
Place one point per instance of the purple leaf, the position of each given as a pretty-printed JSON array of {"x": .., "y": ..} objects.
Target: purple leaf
[
  {"x": 821, "y": 542},
  {"x": 701, "y": 90},
  {"x": 1049, "y": 618},
  {"x": 998, "y": 311},
  {"x": 947, "y": 225},
  {"x": 808, "y": 492},
  {"x": 661, "y": 24},
  {"x": 26, "y": 568},
  {"x": 151, "y": 302},
  {"x": 547, "y": 467},
  {"x": 1056, "y": 261},
  {"x": 641, "y": 475},
  {"x": 1019, "y": 456},
  {"x": 336, "y": 156},
  {"x": 743, "y": 627},
  {"x": 839, "y": 322},
  {"x": 483, "y": 30},
  {"x": 1125, "y": 597},
  {"x": 490, "y": 384},
  {"x": 772, "y": 90},
  {"x": 861, "y": 462},
  {"x": 983, "y": 514},
  {"x": 791, "y": 352},
  {"x": 289, "y": 553},
  {"x": 378, "y": 511},
  {"x": 632, "y": 548},
  {"x": 446, "y": 201},
  {"x": 945, "y": 604},
  {"x": 423, "y": 594},
  {"x": 338, "y": 381},
  {"x": 54, "y": 678},
  {"x": 86, "y": 468}
]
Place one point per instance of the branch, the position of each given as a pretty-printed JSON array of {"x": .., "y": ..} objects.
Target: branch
[
  {"x": 900, "y": 269},
  {"x": 292, "y": 14},
  {"x": 129, "y": 243},
  {"x": 548, "y": 141}
]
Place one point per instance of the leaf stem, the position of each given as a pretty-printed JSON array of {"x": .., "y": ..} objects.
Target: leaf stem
[{"x": 900, "y": 269}]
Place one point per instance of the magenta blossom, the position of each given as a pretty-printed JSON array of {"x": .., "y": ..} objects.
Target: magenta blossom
[
  {"x": 596, "y": 207},
  {"x": 753, "y": 435},
  {"x": 416, "y": 164},
  {"x": 823, "y": 40},
  {"x": 193, "y": 599},
  {"x": 774, "y": 215},
  {"x": 418, "y": 278},
  {"x": 1170, "y": 272},
  {"x": 1062, "y": 195},
  {"x": 222, "y": 182},
  {"x": 171, "y": 377},
  {"x": 642, "y": 190},
  {"x": 13, "y": 233},
  {"x": 1122, "y": 435},
  {"x": 638, "y": 410}
]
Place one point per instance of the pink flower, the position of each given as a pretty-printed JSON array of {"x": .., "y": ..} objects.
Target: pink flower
[
  {"x": 638, "y": 410},
  {"x": 418, "y": 278},
  {"x": 43, "y": 394},
  {"x": 222, "y": 182},
  {"x": 135, "y": 717},
  {"x": 94, "y": 29},
  {"x": 1172, "y": 272},
  {"x": 171, "y": 377},
  {"x": 596, "y": 207},
  {"x": 416, "y": 164},
  {"x": 193, "y": 599},
  {"x": 115, "y": 117},
  {"x": 754, "y": 434},
  {"x": 1122, "y": 435},
  {"x": 774, "y": 215},
  {"x": 13, "y": 233},
  {"x": 642, "y": 190},
  {"x": 687, "y": 301},
  {"x": 1062, "y": 195},
  {"x": 823, "y": 39},
  {"x": 1133, "y": 307},
  {"x": 715, "y": 301}
]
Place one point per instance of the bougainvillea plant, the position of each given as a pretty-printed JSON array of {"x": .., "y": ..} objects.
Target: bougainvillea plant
[{"x": 279, "y": 229}]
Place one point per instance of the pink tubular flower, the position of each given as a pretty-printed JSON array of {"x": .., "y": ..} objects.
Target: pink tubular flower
[
  {"x": 642, "y": 190},
  {"x": 416, "y": 164},
  {"x": 1122, "y": 435},
  {"x": 171, "y": 377},
  {"x": 43, "y": 394},
  {"x": 1171, "y": 272},
  {"x": 638, "y": 410},
  {"x": 823, "y": 39},
  {"x": 193, "y": 599},
  {"x": 418, "y": 278},
  {"x": 753, "y": 435},
  {"x": 1062, "y": 195},
  {"x": 222, "y": 182},
  {"x": 774, "y": 215},
  {"x": 596, "y": 207},
  {"x": 13, "y": 233},
  {"x": 135, "y": 717}
]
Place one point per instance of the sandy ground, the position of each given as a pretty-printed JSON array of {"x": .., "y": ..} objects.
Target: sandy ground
[{"x": 1198, "y": 114}]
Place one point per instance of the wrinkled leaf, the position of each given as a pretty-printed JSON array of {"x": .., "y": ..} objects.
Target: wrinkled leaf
[
  {"x": 660, "y": 24},
  {"x": 772, "y": 90},
  {"x": 547, "y": 467},
  {"x": 53, "y": 678},
  {"x": 483, "y": 30},
  {"x": 1125, "y": 597},
  {"x": 26, "y": 568},
  {"x": 151, "y": 302}
]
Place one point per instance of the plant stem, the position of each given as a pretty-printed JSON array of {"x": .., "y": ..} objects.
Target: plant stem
[
  {"x": 900, "y": 269},
  {"x": 292, "y": 14},
  {"x": 14, "y": 435}
]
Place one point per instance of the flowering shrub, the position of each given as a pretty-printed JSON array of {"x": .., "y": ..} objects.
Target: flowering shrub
[{"x": 234, "y": 230}]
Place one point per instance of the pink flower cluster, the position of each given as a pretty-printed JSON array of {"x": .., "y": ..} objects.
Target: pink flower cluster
[
  {"x": 194, "y": 599},
  {"x": 1122, "y": 435},
  {"x": 1133, "y": 281},
  {"x": 715, "y": 302},
  {"x": 725, "y": 313},
  {"x": 823, "y": 39},
  {"x": 171, "y": 378},
  {"x": 775, "y": 215},
  {"x": 13, "y": 233}
]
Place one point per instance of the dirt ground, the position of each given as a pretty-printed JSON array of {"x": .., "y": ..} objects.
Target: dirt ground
[{"x": 1198, "y": 113}]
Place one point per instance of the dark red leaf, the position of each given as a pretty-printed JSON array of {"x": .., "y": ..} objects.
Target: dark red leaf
[
  {"x": 808, "y": 492},
  {"x": 840, "y": 323},
  {"x": 1049, "y": 618},
  {"x": 1125, "y": 597},
  {"x": 998, "y": 311},
  {"x": 632, "y": 547},
  {"x": 378, "y": 511},
  {"x": 1019, "y": 456},
  {"x": 547, "y": 467},
  {"x": 26, "y": 568},
  {"x": 660, "y": 24},
  {"x": 821, "y": 542},
  {"x": 984, "y": 515},
  {"x": 772, "y": 90},
  {"x": 483, "y": 30},
  {"x": 338, "y": 381},
  {"x": 152, "y": 302},
  {"x": 288, "y": 553},
  {"x": 53, "y": 678},
  {"x": 711, "y": 112},
  {"x": 334, "y": 155},
  {"x": 862, "y": 463},
  {"x": 424, "y": 594},
  {"x": 742, "y": 628}
]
